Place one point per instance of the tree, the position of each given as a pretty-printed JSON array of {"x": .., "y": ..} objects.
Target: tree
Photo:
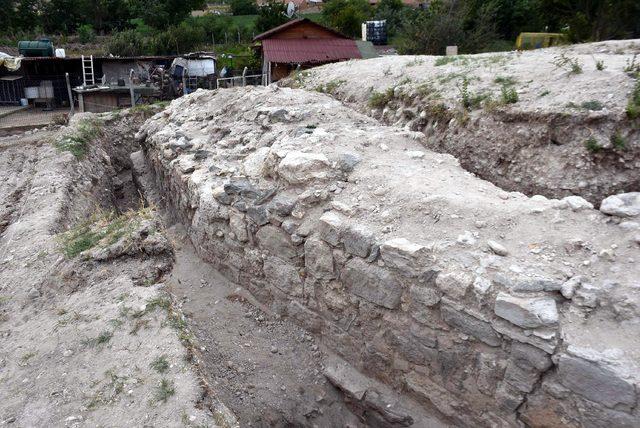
[
  {"x": 271, "y": 15},
  {"x": 243, "y": 7},
  {"x": 346, "y": 16},
  {"x": 394, "y": 12},
  {"x": 7, "y": 14}
]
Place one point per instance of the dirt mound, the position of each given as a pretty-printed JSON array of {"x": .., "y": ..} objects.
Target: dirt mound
[{"x": 552, "y": 122}]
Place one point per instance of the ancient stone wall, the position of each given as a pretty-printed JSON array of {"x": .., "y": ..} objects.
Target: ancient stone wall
[{"x": 491, "y": 306}]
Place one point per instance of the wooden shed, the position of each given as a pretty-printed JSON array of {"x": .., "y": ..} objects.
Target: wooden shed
[{"x": 302, "y": 43}]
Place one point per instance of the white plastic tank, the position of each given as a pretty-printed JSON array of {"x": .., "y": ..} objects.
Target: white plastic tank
[
  {"x": 60, "y": 53},
  {"x": 31, "y": 92}
]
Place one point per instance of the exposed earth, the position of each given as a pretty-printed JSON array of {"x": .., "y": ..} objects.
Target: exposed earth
[{"x": 277, "y": 257}]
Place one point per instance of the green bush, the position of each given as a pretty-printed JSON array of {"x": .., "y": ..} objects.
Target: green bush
[
  {"x": 86, "y": 33},
  {"x": 243, "y": 7},
  {"x": 509, "y": 95},
  {"x": 380, "y": 99}
]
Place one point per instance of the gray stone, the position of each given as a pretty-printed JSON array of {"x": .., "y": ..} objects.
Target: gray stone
[
  {"x": 577, "y": 203},
  {"x": 537, "y": 284},
  {"x": 304, "y": 316},
  {"x": 348, "y": 161},
  {"x": 424, "y": 295},
  {"x": 527, "y": 312},
  {"x": 528, "y": 356},
  {"x": 281, "y": 205},
  {"x": 497, "y": 248},
  {"x": 622, "y": 205},
  {"x": 276, "y": 241},
  {"x": 290, "y": 226},
  {"x": 521, "y": 378},
  {"x": 507, "y": 329},
  {"x": 372, "y": 283},
  {"x": 298, "y": 167},
  {"x": 454, "y": 284},
  {"x": 241, "y": 187},
  {"x": 357, "y": 240},
  {"x": 283, "y": 276},
  {"x": 330, "y": 227},
  {"x": 595, "y": 382},
  {"x": 238, "y": 225},
  {"x": 318, "y": 259},
  {"x": 409, "y": 258},
  {"x": 258, "y": 213},
  {"x": 471, "y": 325}
]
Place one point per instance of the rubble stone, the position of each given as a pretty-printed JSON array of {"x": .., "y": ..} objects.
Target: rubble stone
[{"x": 530, "y": 312}]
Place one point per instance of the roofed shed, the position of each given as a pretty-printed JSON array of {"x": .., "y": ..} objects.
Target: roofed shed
[{"x": 303, "y": 43}]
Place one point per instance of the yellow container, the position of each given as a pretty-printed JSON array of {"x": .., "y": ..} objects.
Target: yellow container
[{"x": 528, "y": 41}]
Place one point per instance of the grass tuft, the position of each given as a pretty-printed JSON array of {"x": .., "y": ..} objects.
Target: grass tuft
[
  {"x": 160, "y": 364},
  {"x": 380, "y": 99},
  {"x": 592, "y": 145},
  {"x": 164, "y": 390}
]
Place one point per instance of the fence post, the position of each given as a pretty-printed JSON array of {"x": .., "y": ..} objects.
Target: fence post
[
  {"x": 66, "y": 76},
  {"x": 244, "y": 78},
  {"x": 133, "y": 97}
]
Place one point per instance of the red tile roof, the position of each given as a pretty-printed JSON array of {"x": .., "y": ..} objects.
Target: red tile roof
[{"x": 301, "y": 51}]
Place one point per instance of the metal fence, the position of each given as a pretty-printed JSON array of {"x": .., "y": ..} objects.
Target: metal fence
[{"x": 244, "y": 80}]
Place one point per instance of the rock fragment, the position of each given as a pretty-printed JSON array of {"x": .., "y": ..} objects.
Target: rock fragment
[{"x": 530, "y": 312}]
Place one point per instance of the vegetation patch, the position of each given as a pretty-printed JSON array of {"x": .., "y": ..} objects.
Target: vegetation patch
[
  {"x": 567, "y": 63},
  {"x": 160, "y": 364},
  {"x": 380, "y": 99},
  {"x": 593, "y": 105},
  {"x": 470, "y": 100},
  {"x": 77, "y": 143},
  {"x": 164, "y": 390},
  {"x": 330, "y": 87},
  {"x": 633, "y": 107},
  {"x": 101, "y": 339},
  {"x": 618, "y": 141},
  {"x": 102, "y": 229},
  {"x": 592, "y": 145}
]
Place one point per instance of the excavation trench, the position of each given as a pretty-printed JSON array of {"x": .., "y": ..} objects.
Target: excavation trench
[
  {"x": 267, "y": 370},
  {"x": 329, "y": 282}
]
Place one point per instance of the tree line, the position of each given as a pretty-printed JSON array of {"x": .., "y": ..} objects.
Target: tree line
[{"x": 138, "y": 27}]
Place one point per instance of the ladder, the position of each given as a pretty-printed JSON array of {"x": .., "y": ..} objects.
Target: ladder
[
  {"x": 191, "y": 83},
  {"x": 87, "y": 71}
]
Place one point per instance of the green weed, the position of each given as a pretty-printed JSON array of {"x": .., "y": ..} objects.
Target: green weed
[
  {"x": 380, "y": 99},
  {"x": 101, "y": 339},
  {"x": 164, "y": 390},
  {"x": 633, "y": 106},
  {"x": 593, "y": 105},
  {"x": 160, "y": 364},
  {"x": 77, "y": 142},
  {"x": 592, "y": 145},
  {"x": 509, "y": 95},
  {"x": 571, "y": 65},
  {"x": 618, "y": 141}
]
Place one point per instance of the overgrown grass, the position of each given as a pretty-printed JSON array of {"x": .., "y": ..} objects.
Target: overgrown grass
[
  {"x": 444, "y": 60},
  {"x": 77, "y": 142},
  {"x": 330, "y": 87},
  {"x": 380, "y": 99},
  {"x": 102, "y": 228},
  {"x": 164, "y": 390},
  {"x": 505, "y": 80}
]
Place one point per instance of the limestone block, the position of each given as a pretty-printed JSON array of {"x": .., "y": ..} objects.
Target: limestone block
[
  {"x": 529, "y": 312},
  {"x": 622, "y": 205},
  {"x": 408, "y": 257},
  {"x": 471, "y": 325},
  {"x": 298, "y": 167},
  {"x": 330, "y": 227},
  {"x": 318, "y": 259},
  {"x": 454, "y": 284},
  {"x": 276, "y": 241},
  {"x": 357, "y": 239},
  {"x": 283, "y": 276},
  {"x": 372, "y": 283},
  {"x": 595, "y": 382}
]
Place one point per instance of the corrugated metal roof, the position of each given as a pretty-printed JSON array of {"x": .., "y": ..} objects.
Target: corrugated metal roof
[{"x": 301, "y": 51}]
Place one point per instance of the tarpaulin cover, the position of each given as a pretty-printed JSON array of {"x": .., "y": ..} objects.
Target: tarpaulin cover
[{"x": 11, "y": 63}]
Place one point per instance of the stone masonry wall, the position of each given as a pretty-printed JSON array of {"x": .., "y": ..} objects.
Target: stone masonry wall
[{"x": 495, "y": 308}]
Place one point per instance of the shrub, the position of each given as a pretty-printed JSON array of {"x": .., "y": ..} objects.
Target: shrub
[
  {"x": 86, "y": 33},
  {"x": 243, "y": 7},
  {"x": 165, "y": 390},
  {"x": 470, "y": 100},
  {"x": 600, "y": 65},
  {"x": 633, "y": 107}
]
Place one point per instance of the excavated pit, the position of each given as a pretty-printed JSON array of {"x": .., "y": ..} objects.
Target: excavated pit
[{"x": 428, "y": 283}]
